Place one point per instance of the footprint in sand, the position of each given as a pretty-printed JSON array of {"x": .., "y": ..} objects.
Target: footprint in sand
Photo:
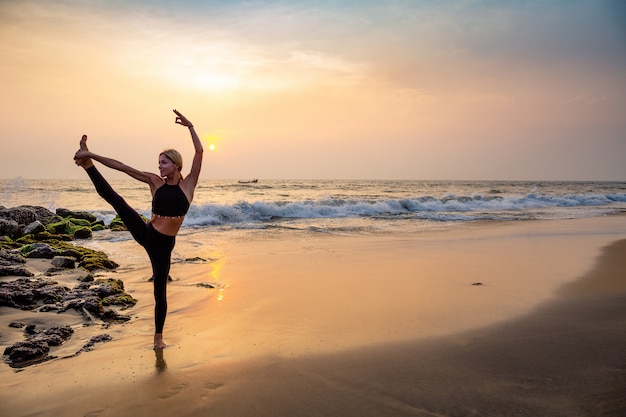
[
  {"x": 176, "y": 389},
  {"x": 210, "y": 386}
]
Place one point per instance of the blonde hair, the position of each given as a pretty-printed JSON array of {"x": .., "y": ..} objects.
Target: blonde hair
[{"x": 175, "y": 156}]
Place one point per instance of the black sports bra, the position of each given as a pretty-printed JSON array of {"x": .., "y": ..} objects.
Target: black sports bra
[{"x": 170, "y": 201}]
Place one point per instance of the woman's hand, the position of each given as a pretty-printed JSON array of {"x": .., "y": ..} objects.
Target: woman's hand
[
  {"x": 182, "y": 120},
  {"x": 81, "y": 153}
]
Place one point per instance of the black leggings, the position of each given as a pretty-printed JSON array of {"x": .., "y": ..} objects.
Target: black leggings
[{"x": 158, "y": 246}]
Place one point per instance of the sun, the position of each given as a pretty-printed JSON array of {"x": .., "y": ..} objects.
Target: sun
[{"x": 212, "y": 141}]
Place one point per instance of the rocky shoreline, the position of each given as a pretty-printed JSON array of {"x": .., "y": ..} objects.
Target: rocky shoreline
[{"x": 33, "y": 232}]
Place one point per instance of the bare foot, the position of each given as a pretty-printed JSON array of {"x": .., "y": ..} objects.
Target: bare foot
[
  {"x": 83, "y": 162},
  {"x": 158, "y": 341},
  {"x": 83, "y": 143}
]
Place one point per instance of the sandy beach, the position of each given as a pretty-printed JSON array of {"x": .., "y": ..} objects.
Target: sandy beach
[{"x": 381, "y": 325}]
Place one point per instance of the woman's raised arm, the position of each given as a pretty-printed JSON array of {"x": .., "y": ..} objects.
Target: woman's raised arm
[
  {"x": 142, "y": 176},
  {"x": 196, "y": 165}
]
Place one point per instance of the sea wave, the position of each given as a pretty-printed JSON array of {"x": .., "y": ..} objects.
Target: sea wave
[{"x": 450, "y": 207}]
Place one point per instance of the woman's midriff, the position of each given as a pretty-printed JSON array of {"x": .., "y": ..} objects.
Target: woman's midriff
[{"x": 167, "y": 225}]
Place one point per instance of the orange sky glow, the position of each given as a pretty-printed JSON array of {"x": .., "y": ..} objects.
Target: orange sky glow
[{"x": 319, "y": 90}]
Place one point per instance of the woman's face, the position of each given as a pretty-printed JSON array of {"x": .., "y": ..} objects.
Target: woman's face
[{"x": 166, "y": 166}]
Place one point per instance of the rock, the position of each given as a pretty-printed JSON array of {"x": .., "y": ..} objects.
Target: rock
[
  {"x": 47, "y": 236},
  {"x": 9, "y": 227},
  {"x": 92, "y": 305},
  {"x": 79, "y": 222},
  {"x": 21, "y": 221},
  {"x": 36, "y": 347},
  {"x": 111, "y": 291},
  {"x": 54, "y": 270},
  {"x": 42, "y": 214},
  {"x": 63, "y": 227},
  {"x": 114, "y": 316},
  {"x": 88, "y": 277},
  {"x": 196, "y": 259},
  {"x": 74, "y": 253},
  {"x": 34, "y": 228},
  {"x": 14, "y": 270},
  {"x": 68, "y": 262},
  {"x": 103, "y": 338},
  {"x": 38, "y": 250},
  {"x": 63, "y": 212},
  {"x": 16, "y": 325},
  {"x": 97, "y": 260},
  {"x": 29, "y": 350},
  {"x": 83, "y": 233},
  {"x": 76, "y": 214},
  {"x": 50, "y": 292},
  {"x": 11, "y": 258},
  {"x": 63, "y": 332},
  {"x": 22, "y": 215},
  {"x": 85, "y": 297},
  {"x": 117, "y": 225},
  {"x": 17, "y": 294},
  {"x": 77, "y": 228}
]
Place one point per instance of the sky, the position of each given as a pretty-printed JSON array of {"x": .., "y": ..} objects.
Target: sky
[{"x": 320, "y": 89}]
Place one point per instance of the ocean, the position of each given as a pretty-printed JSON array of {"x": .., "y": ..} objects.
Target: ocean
[{"x": 341, "y": 206}]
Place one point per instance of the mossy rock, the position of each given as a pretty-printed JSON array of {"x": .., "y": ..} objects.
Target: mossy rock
[
  {"x": 117, "y": 285},
  {"x": 114, "y": 288},
  {"x": 45, "y": 236},
  {"x": 83, "y": 215},
  {"x": 112, "y": 316},
  {"x": 82, "y": 233},
  {"x": 79, "y": 222},
  {"x": 72, "y": 228},
  {"x": 124, "y": 299},
  {"x": 8, "y": 243},
  {"x": 26, "y": 248},
  {"x": 89, "y": 259},
  {"x": 92, "y": 262},
  {"x": 72, "y": 251},
  {"x": 88, "y": 277},
  {"x": 117, "y": 225},
  {"x": 60, "y": 228},
  {"x": 25, "y": 240},
  {"x": 96, "y": 227}
]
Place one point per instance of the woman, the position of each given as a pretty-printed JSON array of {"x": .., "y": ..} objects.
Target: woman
[{"x": 171, "y": 196}]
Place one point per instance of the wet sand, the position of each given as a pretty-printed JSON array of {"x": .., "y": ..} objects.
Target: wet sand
[{"x": 363, "y": 326}]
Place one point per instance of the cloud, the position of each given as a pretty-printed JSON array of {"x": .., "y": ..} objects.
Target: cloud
[{"x": 426, "y": 77}]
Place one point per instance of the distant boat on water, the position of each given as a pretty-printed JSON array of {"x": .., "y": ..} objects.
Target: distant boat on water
[{"x": 254, "y": 181}]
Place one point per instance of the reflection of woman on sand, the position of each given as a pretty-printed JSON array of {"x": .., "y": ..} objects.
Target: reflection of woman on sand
[
  {"x": 160, "y": 364},
  {"x": 171, "y": 197}
]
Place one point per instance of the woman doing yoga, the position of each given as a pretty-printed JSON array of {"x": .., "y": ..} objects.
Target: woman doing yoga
[{"x": 171, "y": 196}]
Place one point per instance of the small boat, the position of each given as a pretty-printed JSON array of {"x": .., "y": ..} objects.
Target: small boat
[{"x": 254, "y": 181}]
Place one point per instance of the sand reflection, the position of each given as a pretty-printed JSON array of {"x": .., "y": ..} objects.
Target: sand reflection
[{"x": 160, "y": 364}]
